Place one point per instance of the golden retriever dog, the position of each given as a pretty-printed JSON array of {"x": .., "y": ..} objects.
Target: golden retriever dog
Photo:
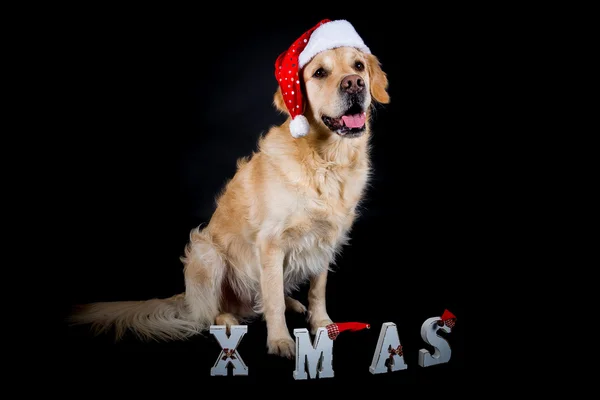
[{"x": 279, "y": 222}]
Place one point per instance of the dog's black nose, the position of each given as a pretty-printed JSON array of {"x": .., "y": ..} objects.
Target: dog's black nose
[{"x": 352, "y": 84}]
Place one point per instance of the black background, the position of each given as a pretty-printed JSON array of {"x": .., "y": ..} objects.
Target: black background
[{"x": 155, "y": 109}]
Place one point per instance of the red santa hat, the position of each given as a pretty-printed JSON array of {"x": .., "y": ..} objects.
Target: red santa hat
[
  {"x": 447, "y": 319},
  {"x": 333, "y": 330},
  {"x": 325, "y": 35}
]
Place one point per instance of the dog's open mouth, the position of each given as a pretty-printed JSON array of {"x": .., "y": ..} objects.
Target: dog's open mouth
[{"x": 351, "y": 124}]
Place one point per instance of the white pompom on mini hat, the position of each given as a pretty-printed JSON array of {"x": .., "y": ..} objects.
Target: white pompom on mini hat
[{"x": 325, "y": 35}]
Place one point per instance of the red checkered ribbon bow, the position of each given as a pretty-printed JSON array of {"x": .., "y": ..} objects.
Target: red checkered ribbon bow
[
  {"x": 447, "y": 319},
  {"x": 228, "y": 354},
  {"x": 397, "y": 351}
]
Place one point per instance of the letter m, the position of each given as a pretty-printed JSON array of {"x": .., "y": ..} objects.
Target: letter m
[{"x": 315, "y": 359}]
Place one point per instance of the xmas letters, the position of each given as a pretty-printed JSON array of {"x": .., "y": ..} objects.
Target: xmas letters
[{"x": 314, "y": 360}]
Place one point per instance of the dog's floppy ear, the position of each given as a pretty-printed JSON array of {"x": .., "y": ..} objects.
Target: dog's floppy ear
[
  {"x": 379, "y": 81},
  {"x": 279, "y": 103}
]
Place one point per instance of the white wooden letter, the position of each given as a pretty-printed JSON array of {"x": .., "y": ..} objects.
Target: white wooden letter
[
  {"x": 229, "y": 353},
  {"x": 429, "y": 334},
  {"x": 316, "y": 359},
  {"x": 388, "y": 355}
]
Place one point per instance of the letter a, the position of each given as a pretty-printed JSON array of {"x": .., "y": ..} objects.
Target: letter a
[
  {"x": 388, "y": 355},
  {"x": 229, "y": 353},
  {"x": 316, "y": 359}
]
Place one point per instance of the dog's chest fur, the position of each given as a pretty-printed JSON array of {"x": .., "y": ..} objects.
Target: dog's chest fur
[{"x": 319, "y": 227}]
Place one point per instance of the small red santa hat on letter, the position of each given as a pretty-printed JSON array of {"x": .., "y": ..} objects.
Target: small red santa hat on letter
[
  {"x": 333, "y": 330},
  {"x": 325, "y": 35},
  {"x": 447, "y": 319}
]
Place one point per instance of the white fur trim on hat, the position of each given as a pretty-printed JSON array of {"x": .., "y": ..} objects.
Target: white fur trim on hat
[
  {"x": 328, "y": 36},
  {"x": 299, "y": 126}
]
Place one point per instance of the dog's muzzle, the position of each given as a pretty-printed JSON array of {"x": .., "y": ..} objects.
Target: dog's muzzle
[{"x": 352, "y": 122}]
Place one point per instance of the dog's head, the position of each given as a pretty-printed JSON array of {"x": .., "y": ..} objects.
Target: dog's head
[{"x": 339, "y": 86}]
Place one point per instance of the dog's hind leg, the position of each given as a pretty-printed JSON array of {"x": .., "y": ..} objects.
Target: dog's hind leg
[
  {"x": 294, "y": 305},
  {"x": 228, "y": 320},
  {"x": 204, "y": 272}
]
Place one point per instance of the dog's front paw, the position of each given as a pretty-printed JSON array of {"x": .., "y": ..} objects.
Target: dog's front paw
[
  {"x": 284, "y": 347},
  {"x": 320, "y": 323}
]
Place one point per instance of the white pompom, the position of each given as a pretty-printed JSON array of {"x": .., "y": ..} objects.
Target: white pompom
[{"x": 299, "y": 126}]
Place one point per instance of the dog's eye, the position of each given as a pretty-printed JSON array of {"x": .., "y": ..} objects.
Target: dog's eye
[
  {"x": 359, "y": 66},
  {"x": 320, "y": 73}
]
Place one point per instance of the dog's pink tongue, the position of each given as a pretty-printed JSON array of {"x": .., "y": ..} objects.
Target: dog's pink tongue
[{"x": 354, "y": 121}]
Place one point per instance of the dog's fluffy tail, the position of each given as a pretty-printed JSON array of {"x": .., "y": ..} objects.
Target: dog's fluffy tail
[
  {"x": 173, "y": 318},
  {"x": 156, "y": 319}
]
